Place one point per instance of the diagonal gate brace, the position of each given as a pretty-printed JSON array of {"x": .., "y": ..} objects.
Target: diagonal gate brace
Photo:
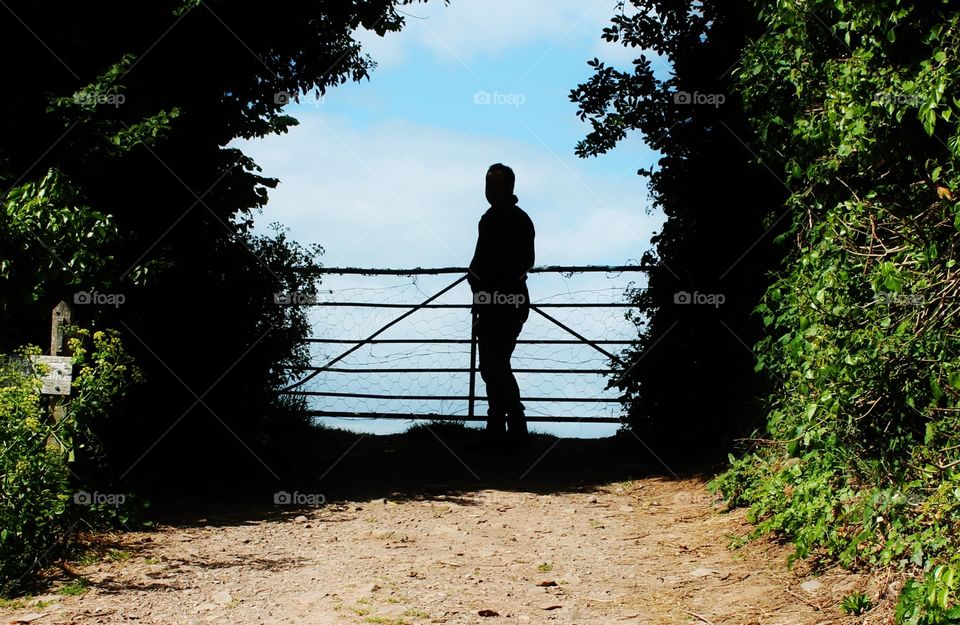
[
  {"x": 374, "y": 335},
  {"x": 576, "y": 334}
]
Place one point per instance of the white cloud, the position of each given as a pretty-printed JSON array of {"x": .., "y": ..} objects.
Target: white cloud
[
  {"x": 398, "y": 194},
  {"x": 467, "y": 30}
]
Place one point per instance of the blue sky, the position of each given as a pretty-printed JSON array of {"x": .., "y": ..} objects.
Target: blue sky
[{"x": 389, "y": 172}]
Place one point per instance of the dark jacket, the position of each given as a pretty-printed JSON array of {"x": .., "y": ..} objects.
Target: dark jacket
[{"x": 504, "y": 252}]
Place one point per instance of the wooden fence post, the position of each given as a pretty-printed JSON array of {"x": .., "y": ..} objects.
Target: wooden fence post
[
  {"x": 62, "y": 316},
  {"x": 57, "y": 385}
]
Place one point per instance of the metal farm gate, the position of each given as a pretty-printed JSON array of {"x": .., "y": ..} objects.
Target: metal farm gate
[{"x": 333, "y": 354}]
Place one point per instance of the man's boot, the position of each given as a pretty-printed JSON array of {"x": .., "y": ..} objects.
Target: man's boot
[
  {"x": 517, "y": 435},
  {"x": 494, "y": 436}
]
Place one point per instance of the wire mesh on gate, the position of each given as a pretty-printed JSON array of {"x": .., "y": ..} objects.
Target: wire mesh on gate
[{"x": 420, "y": 366}]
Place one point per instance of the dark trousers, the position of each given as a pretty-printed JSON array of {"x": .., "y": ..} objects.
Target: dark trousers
[{"x": 497, "y": 332}]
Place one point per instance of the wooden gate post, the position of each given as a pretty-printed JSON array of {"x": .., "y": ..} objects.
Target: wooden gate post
[{"x": 473, "y": 364}]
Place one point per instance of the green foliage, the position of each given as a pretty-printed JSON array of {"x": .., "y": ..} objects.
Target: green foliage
[
  {"x": 37, "y": 511},
  {"x": 104, "y": 370},
  {"x": 859, "y": 460},
  {"x": 714, "y": 240},
  {"x": 89, "y": 110},
  {"x": 928, "y": 602},
  {"x": 47, "y": 220},
  {"x": 34, "y": 492},
  {"x": 856, "y": 603},
  {"x": 118, "y": 176}
]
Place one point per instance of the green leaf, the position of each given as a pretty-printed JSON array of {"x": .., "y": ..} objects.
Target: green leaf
[{"x": 954, "y": 379}]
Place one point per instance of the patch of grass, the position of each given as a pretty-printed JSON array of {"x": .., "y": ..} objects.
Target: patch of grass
[
  {"x": 88, "y": 557},
  {"x": 544, "y": 567},
  {"x": 416, "y": 613},
  {"x": 151, "y": 561},
  {"x": 14, "y": 604},
  {"x": 360, "y": 611},
  {"x": 77, "y": 586},
  {"x": 93, "y": 556},
  {"x": 118, "y": 555},
  {"x": 444, "y": 429},
  {"x": 385, "y": 620}
]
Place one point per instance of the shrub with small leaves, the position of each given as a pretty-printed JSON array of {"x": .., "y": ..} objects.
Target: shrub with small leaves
[
  {"x": 37, "y": 515},
  {"x": 858, "y": 464},
  {"x": 34, "y": 484}
]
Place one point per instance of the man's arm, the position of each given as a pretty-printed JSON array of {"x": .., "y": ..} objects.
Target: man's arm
[
  {"x": 523, "y": 255},
  {"x": 529, "y": 255},
  {"x": 479, "y": 262}
]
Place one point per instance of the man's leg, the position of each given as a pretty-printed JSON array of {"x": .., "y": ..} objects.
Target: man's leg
[
  {"x": 516, "y": 419},
  {"x": 491, "y": 357}
]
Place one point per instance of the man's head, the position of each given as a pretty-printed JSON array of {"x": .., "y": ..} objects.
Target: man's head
[{"x": 500, "y": 181}]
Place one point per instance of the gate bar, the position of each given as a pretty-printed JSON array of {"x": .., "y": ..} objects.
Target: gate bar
[
  {"x": 445, "y": 370},
  {"x": 420, "y": 271},
  {"x": 417, "y": 416},
  {"x": 444, "y": 397},
  {"x": 462, "y": 306},
  {"x": 465, "y": 341}
]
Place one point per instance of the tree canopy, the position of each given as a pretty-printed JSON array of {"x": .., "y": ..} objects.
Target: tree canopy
[
  {"x": 707, "y": 267},
  {"x": 118, "y": 180}
]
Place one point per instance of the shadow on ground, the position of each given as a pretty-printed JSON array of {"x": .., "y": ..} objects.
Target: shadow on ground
[{"x": 438, "y": 461}]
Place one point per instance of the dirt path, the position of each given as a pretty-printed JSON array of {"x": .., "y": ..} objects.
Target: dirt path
[{"x": 647, "y": 550}]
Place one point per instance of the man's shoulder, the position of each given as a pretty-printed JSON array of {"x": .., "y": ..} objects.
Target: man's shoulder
[
  {"x": 512, "y": 211},
  {"x": 506, "y": 215},
  {"x": 523, "y": 217},
  {"x": 487, "y": 218}
]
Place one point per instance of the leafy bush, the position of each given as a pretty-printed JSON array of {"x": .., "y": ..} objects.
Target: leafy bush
[
  {"x": 34, "y": 493},
  {"x": 859, "y": 461},
  {"x": 37, "y": 517}
]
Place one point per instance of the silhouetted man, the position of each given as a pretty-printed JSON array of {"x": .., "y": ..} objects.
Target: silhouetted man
[{"x": 498, "y": 278}]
